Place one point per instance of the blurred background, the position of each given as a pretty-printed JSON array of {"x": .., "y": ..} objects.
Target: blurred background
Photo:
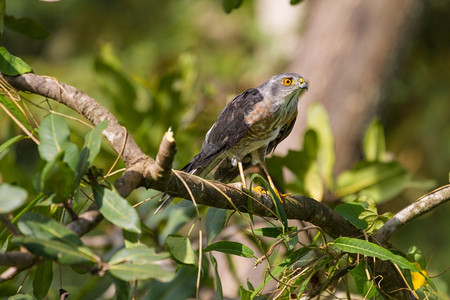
[{"x": 161, "y": 64}]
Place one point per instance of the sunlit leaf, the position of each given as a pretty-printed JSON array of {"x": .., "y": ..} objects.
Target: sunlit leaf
[
  {"x": 374, "y": 146},
  {"x": 116, "y": 209},
  {"x": 139, "y": 254},
  {"x": 351, "y": 211},
  {"x": 54, "y": 136},
  {"x": 314, "y": 183},
  {"x": 42, "y": 279},
  {"x": 11, "y": 197},
  {"x": 378, "y": 180},
  {"x": 47, "y": 229},
  {"x": 181, "y": 249},
  {"x": 12, "y": 65},
  {"x": 229, "y": 247},
  {"x": 131, "y": 272},
  {"x": 244, "y": 294},
  {"x": 55, "y": 250},
  {"x": 318, "y": 121},
  {"x": 362, "y": 247}
]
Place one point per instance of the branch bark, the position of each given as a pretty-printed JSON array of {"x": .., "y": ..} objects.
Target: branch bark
[{"x": 157, "y": 174}]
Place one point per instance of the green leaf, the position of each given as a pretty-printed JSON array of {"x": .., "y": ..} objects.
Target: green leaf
[
  {"x": 58, "y": 178},
  {"x": 294, "y": 258},
  {"x": 21, "y": 297},
  {"x": 116, "y": 209},
  {"x": 272, "y": 232},
  {"x": 91, "y": 147},
  {"x": 279, "y": 208},
  {"x": 2, "y": 15},
  {"x": 362, "y": 283},
  {"x": 294, "y": 2},
  {"x": 139, "y": 254},
  {"x": 42, "y": 279},
  {"x": 14, "y": 110},
  {"x": 131, "y": 239},
  {"x": 362, "y": 247},
  {"x": 378, "y": 180},
  {"x": 415, "y": 254},
  {"x": 229, "y": 5},
  {"x": 374, "y": 146},
  {"x": 215, "y": 222},
  {"x": 54, "y": 133},
  {"x": 373, "y": 219},
  {"x": 122, "y": 288},
  {"x": 4, "y": 147},
  {"x": 314, "y": 182},
  {"x": 11, "y": 197},
  {"x": 138, "y": 263},
  {"x": 26, "y": 26},
  {"x": 229, "y": 247},
  {"x": 351, "y": 211},
  {"x": 54, "y": 136},
  {"x": 181, "y": 287},
  {"x": 49, "y": 230},
  {"x": 181, "y": 249},
  {"x": 40, "y": 226},
  {"x": 12, "y": 65},
  {"x": 244, "y": 294},
  {"x": 318, "y": 121},
  {"x": 131, "y": 272},
  {"x": 219, "y": 291},
  {"x": 55, "y": 250}
]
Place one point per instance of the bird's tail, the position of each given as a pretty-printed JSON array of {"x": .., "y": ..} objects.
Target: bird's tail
[{"x": 165, "y": 199}]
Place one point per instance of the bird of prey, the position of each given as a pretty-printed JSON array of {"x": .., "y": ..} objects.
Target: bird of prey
[{"x": 247, "y": 129}]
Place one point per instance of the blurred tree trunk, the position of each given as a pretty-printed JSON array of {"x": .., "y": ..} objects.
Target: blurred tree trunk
[{"x": 347, "y": 53}]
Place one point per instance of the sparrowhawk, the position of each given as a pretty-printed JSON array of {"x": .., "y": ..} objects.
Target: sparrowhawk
[{"x": 249, "y": 128}]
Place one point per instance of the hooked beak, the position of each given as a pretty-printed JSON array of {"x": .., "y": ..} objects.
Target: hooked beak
[{"x": 303, "y": 84}]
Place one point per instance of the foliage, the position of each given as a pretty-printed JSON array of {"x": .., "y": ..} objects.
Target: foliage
[{"x": 68, "y": 177}]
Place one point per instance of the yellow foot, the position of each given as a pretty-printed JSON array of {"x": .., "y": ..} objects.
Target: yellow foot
[{"x": 260, "y": 190}]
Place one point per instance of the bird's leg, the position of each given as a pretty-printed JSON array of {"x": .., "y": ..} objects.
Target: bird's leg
[
  {"x": 241, "y": 173},
  {"x": 269, "y": 178}
]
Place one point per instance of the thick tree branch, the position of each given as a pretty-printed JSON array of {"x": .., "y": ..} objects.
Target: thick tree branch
[{"x": 157, "y": 174}]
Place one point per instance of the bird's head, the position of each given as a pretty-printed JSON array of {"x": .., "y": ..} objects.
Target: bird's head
[{"x": 284, "y": 86}]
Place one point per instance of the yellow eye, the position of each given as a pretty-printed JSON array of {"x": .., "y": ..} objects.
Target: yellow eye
[{"x": 287, "y": 81}]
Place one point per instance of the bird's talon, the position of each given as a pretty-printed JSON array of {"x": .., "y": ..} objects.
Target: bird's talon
[{"x": 260, "y": 190}]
